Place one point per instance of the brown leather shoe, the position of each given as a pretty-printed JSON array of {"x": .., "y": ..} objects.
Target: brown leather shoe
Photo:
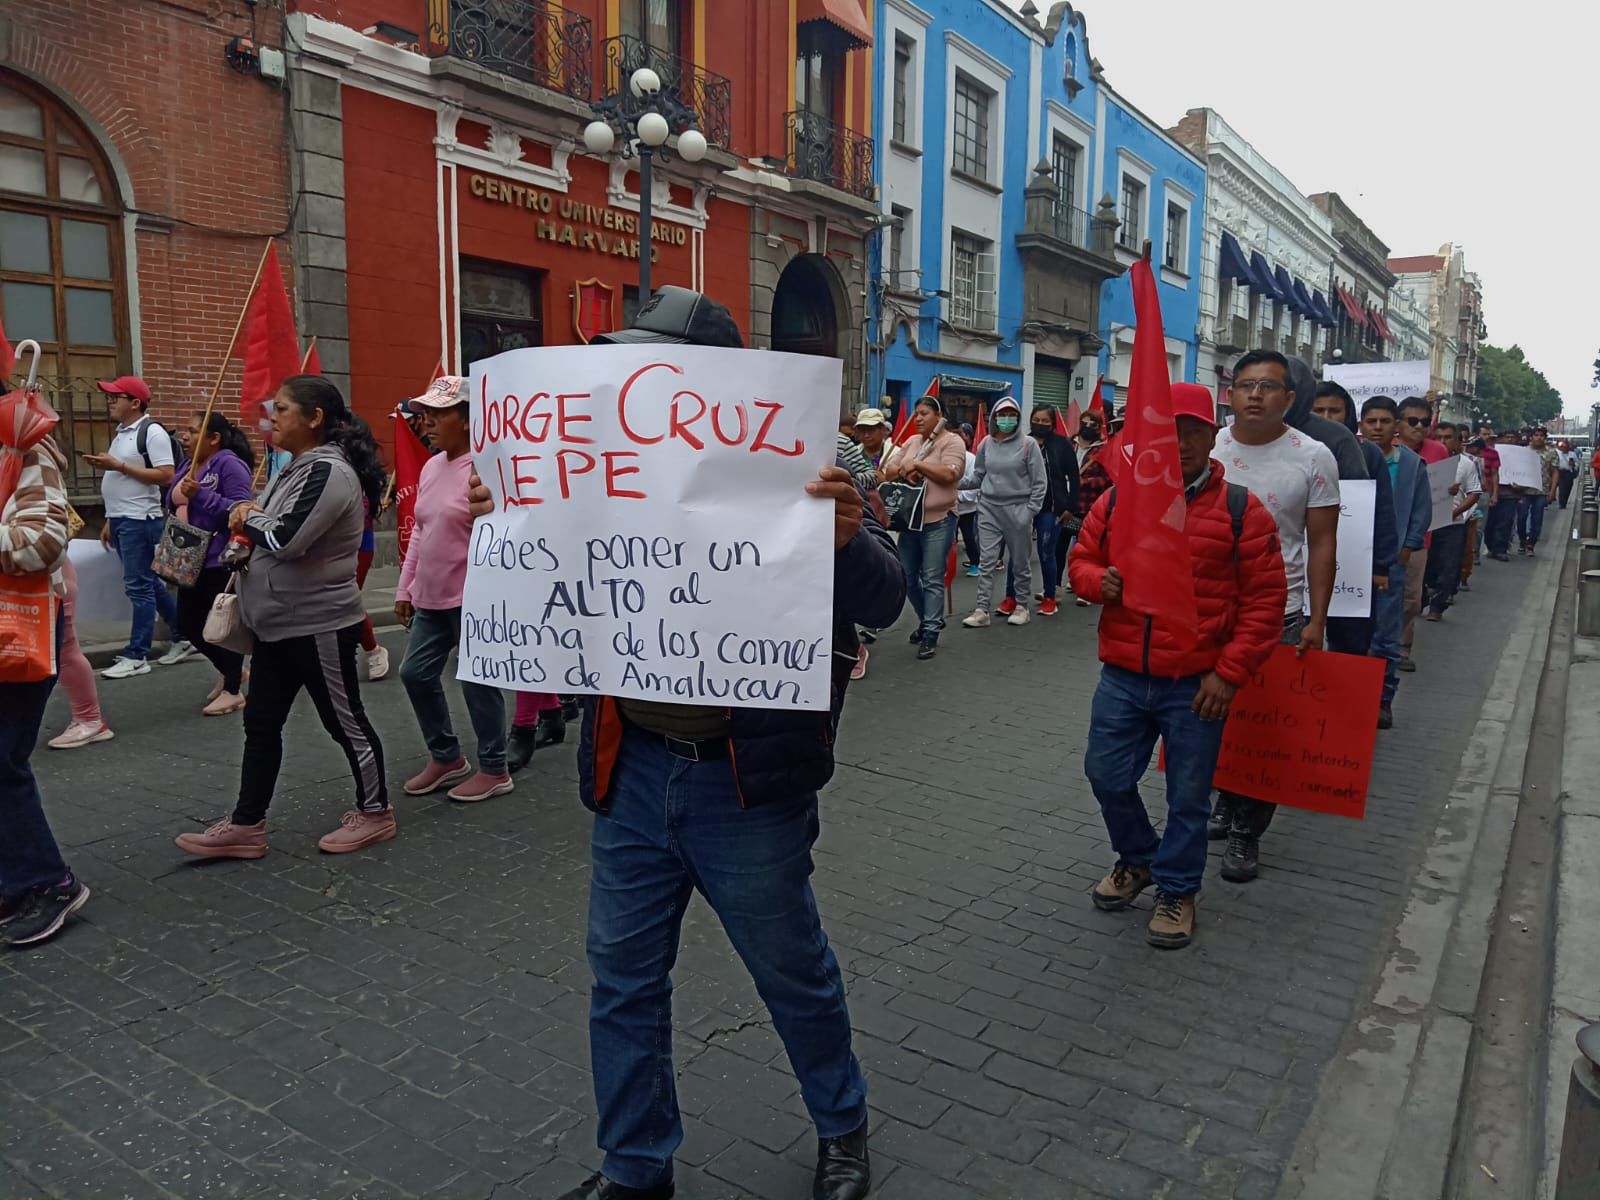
[
  {"x": 1118, "y": 889},
  {"x": 1172, "y": 924}
]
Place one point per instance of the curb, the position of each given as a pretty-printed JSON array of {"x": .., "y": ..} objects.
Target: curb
[{"x": 1385, "y": 1117}]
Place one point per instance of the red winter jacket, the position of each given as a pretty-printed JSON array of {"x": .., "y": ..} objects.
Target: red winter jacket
[{"x": 1240, "y": 595}]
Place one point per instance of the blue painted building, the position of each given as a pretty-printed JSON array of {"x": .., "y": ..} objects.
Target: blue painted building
[
  {"x": 956, "y": 124},
  {"x": 1016, "y": 188}
]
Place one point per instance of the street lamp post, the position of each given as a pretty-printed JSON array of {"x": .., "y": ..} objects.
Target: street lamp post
[{"x": 642, "y": 117}]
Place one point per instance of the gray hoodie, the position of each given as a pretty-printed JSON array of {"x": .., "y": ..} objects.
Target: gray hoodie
[
  {"x": 1010, "y": 471},
  {"x": 1338, "y": 439},
  {"x": 302, "y": 572}
]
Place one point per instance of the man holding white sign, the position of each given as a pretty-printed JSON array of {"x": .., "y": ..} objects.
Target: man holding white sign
[
  {"x": 1450, "y": 539},
  {"x": 643, "y": 541}
]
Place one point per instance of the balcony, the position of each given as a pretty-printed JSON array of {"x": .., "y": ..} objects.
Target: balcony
[
  {"x": 709, "y": 94},
  {"x": 531, "y": 42},
  {"x": 826, "y": 152},
  {"x": 1070, "y": 225}
]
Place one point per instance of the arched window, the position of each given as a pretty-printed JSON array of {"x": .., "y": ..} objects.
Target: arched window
[{"x": 61, "y": 259}]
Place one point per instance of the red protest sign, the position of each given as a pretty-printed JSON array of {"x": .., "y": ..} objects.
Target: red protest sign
[{"x": 1302, "y": 731}]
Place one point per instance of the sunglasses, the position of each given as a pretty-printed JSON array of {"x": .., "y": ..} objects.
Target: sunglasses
[{"x": 1415, "y": 421}]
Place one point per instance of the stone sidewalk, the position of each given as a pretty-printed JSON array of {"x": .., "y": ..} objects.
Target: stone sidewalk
[{"x": 411, "y": 1021}]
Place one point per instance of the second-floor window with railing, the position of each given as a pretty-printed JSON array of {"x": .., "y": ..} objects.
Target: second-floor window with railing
[
  {"x": 972, "y": 282},
  {"x": 971, "y": 128},
  {"x": 656, "y": 23},
  {"x": 538, "y": 43},
  {"x": 1064, "y": 155}
]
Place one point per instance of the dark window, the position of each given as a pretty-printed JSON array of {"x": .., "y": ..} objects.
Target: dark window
[
  {"x": 897, "y": 249},
  {"x": 971, "y": 156},
  {"x": 904, "y": 47},
  {"x": 502, "y": 308},
  {"x": 1130, "y": 233},
  {"x": 1177, "y": 250},
  {"x": 656, "y": 23},
  {"x": 1064, "y": 170},
  {"x": 819, "y": 70}
]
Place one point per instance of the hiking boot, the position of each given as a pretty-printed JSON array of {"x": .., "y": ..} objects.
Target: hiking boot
[
  {"x": 978, "y": 620},
  {"x": 482, "y": 786},
  {"x": 42, "y": 912},
  {"x": 180, "y": 649},
  {"x": 1239, "y": 859},
  {"x": 126, "y": 668},
  {"x": 859, "y": 671},
  {"x": 1007, "y": 606},
  {"x": 437, "y": 775},
  {"x": 377, "y": 664},
  {"x": 844, "y": 1171},
  {"x": 1220, "y": 823},
  {"x": 598, "y": 1187},
  {"x": 1119, "y": 889},
  {"x": 81, "y": 733},
  {"x": 226, "y": 840},
  {"x": 358, "y": 830},
  {"x": 1018, "y": 616},
  {"x": 551, "y": 729},
  {"x": 1048, "y": 607},
  {"x": 927, "y": 648},
  {"x": 1172, "y": 924},
  {"x": 524, "y": 740},
  {"x": 1385, "y": 717}
]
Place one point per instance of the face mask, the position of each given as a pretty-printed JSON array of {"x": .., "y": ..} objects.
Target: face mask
[
  {"x": 1041, "y": 431},
  {"x": 1006, "y": 424}
]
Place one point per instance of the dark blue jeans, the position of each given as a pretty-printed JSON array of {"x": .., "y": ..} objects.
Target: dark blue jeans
[
  {"x": 1046, "y": 535},
  {"x": 676, "y": 827},
  {"x": 135, "y": 542},
  {"x": 435, "y": 633},
  {"x": 1130, "y": 711},
  {"x": 1530, "y": 518},
  {"x": 29, "y": 856},
  {"x": 1497, "y": 528},
  {"x": 922, "y": 558},
  {"x": 1388, "y": 624}
]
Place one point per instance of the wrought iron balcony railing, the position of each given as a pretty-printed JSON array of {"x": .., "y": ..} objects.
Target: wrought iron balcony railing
[
  {"x": 827, "y": 152},
  {"x": 709, "y": 94},
  {"x": 535, "y": 42},
  {"x": 1071, "y": 225}
]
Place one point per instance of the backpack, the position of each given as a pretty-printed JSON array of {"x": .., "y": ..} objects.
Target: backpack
[
  {"x": 1238, "y": 501},
  {"x": 141, "y": 441}
]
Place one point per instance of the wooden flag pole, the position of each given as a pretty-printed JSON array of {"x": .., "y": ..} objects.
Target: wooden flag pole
[
  {"x": 227, "y": 354},
  {"x": 305, "y": 359}
]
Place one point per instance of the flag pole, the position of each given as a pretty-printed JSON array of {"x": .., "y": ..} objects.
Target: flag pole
[
  {"x": 311, "y": 346},
  {"x": 227, "y": 354}
]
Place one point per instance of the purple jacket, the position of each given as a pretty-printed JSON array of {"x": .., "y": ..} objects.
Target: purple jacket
[{"x": 224, "y": 481}]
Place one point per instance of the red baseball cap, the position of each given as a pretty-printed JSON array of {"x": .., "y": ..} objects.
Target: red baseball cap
[
  {"x": 1194, "y": 400},
  {"x": 126, "y": 385}
]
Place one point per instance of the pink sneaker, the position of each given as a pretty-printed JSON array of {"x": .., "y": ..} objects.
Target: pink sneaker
[
  {"x": 81, "y": 733},
  {"x": 226, "y": 840},
  {"x": 437, "y": 775},
  {"x": 482, "y": 786},
  {"x": 358, "y": 830}
]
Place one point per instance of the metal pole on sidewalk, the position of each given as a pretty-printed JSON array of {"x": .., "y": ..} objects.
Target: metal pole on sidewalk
[
  {"x": 1589, "y": 520},
  {"x": 1578, "y": 1173}
]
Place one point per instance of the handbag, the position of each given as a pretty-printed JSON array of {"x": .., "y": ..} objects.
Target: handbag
[
  {"x": 903, "y": 502},
  {"x": 225, "y": 625},
  {"x": 181, "y": 553},
  {"x": 28, "y": 608},
  {"x": 75, "y": 523}
]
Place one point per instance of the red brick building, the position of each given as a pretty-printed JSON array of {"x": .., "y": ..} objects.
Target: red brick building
[
  {"x": 446, "y": 207},
  {"x": 140, "y": 177}
]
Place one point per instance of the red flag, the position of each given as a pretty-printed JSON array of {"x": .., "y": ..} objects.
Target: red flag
[
  {"x": 982, "y": 434},
  {"x": 271, "y": 347},
  {"x": 1074, "y": 419},
  {"x": 8, "y": 356},
  {"x": 409, "y": 455},
  {"x": 1148, "y": 544},
  {"x": 1061, "y": 424},
  {"x": 311, "y": 364},
  {"x": 903, "y": 427},
  {"x": 1097, "y": 404}
]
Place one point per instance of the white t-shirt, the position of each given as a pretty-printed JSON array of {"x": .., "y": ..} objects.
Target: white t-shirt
[
  {"x": 967, "y": 498},
  {"x": 1289, "y": 475},
  {"x": 1467, "y": 481},
  {"x": 124, "y": 495}
]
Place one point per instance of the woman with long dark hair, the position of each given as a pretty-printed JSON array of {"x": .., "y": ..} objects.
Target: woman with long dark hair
[
  {"x": 298, "y": 595},
  {"x": 202, "y": 496}
]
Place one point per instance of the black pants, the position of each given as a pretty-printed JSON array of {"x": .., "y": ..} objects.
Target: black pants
[
  {"x": 1565, "y": 486},
  {"x": 1497, "y": 533},
  {"x": 324, "y": 664},
  {"x": 1349, "y": 635},
  {"x": 194, "y": 603},
  {"x": 1444, "y": 566},
  {"x": 968, "y": 524}
]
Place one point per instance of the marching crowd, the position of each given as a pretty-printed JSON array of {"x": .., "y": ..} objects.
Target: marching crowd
[{"x": 724, "y": 802}]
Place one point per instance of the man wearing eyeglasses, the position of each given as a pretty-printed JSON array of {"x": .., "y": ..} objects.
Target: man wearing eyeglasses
[
  {"x": 1414, "y": 431},
  {"x": 1297, "y": 478}
]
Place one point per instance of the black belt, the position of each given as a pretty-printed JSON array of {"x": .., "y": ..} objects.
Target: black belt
[{"x": 695, "y": 751}]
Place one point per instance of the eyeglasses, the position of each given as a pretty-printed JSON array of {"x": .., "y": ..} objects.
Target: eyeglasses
[
  {"x": 1415, "y": 421},
  {"x": 1267, "y": 387}
]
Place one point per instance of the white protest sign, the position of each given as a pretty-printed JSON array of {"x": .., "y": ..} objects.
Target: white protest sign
[
  {"x": 651, "y": 537},
  {"x": 1397, "y": 380},
  {"x": 1441, "y": 478},
  {"x": 1352, "y": 581},
  {"x": 1519, "y": 467}
]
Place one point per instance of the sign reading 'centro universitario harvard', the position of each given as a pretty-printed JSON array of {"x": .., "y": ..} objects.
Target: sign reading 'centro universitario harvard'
[{"x": 574, "y": 223}]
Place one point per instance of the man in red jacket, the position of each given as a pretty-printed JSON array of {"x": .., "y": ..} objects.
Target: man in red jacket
[{"x": 1161, "y": 681}]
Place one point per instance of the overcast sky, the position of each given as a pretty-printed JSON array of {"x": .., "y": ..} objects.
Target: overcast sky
[{"x": 1437, "y": 121}]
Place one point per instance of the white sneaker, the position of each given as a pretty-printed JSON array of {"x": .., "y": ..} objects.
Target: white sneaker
[
  {"x": 176, "y": 653},
  {"x": 978, "y": 620},
  {"x": 377, "y": 664},
  {"x": 1019, "y": 617},
  {"x": 81, "y": 733},
  {"x": 126, "y": 668}
]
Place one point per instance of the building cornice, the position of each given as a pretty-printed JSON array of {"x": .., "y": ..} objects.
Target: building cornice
[
  {"x": 1062, "y": 113},
  {"x": 911, "y": 12},
  {"x": 972, "y": 51}
]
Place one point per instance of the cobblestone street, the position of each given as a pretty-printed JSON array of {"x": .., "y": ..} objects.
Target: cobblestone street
[{"x": 411, "y": 1021}]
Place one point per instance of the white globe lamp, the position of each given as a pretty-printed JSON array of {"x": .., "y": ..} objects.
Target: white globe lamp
[
  {"x": 691, "y": 145},
  {"x": 645, "y": 82},
  {"x": 599, "y": 137},
  {"x": 653, "y": 129}
]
